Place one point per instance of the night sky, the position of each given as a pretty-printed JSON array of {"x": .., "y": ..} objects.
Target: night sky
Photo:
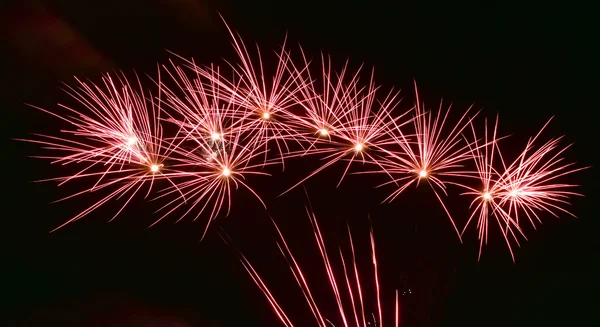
[{"x": 527, "y": 64}]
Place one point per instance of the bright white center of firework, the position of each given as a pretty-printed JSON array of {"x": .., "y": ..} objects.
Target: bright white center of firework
[
  {"x": 358, "y": 147},
  {"x": 154, "y": 168},
  {"x": 323, "y": 132},
  {"x": 487, "y": 196},
  {"x": 423, "y": 173},
  {"x": 215, "y": 136},
  {"x": 266, "y": 115},
  {"x": 516, "y": 193},
  {"x": 131, "y": 141},
  {"x": 226, "y": 172}
]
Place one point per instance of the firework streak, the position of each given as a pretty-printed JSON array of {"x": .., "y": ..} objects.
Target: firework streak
[{"x": 353, "y": 304}]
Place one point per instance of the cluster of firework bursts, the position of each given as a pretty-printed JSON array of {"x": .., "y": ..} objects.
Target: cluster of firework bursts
[{"x": 193, "y": 142}]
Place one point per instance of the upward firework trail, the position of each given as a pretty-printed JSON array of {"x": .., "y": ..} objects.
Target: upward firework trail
[
  {"x": 117, "y": 138},
  {"x": 349, "y": 291}
]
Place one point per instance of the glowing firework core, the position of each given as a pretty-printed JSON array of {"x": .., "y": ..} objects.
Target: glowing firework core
[
  {"x": 423, "y": 173},
  {"x": 487, "y": 196},
  {"x": 154, "y": 168},
  {"x": 215, "y": 136},
  {"x": 323, "y": 132},
  {"x": 131, "y": 141},
  {"x": 226, "y": 172},
  {"x": 266, "y": 115},
  {"x": 358, "y": 147}
]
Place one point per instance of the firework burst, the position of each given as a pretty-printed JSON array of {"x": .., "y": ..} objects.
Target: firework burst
[
  {"x": 351, "y": 123},
  {"x": 527, "y": 186},
  {"x": 199, "y": 107},
  {"x": 266, "y": 101},
  {"x": 209, "y": 171},
  {"x": 432, "y": 154},
  {"x": 116, "y": 136}
]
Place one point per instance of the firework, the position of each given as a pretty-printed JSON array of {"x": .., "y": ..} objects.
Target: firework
[
  {"x": 224, "y": 125},
  {"x": 349, "y": 291},
  {"x": 198, "y": 107},
  {"x": 209, "y": 171},
  {"x": 526, "y": 186},
  {"x": 266, "y": 102},
  {"x": 529, "y": 182},
  {"x": 432, "y": 154},
  {"x": 117, "y": 138},
  {"x": 347, "y": 117}
]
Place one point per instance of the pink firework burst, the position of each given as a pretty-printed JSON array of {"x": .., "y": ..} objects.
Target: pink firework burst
[
  {"x": 116, "y": 137},
  {"x": 348, "y": 118},
  {"x": 527, "y": 186},
  {"x": 434, "y": 153},
  {"x": 209, "y": 170},
  {"x": 530, "y": 181},
  {"x": 349, "y": 291},
  {"x": 267, "y": 100},
  {"x": 323, "y": 107},
  {"x": 199, "y": 108}
]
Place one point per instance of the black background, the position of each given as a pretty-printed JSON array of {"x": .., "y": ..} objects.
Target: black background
[{"x": 527, "y": 63}]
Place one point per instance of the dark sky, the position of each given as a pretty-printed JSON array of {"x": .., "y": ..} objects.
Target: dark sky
[{"x": 527, "y": 63}]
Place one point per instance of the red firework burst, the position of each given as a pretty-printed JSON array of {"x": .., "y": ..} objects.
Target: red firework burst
[
  {"x": 266, "y": 102},
  {"x": 209, "y": 170},
  {"x": 116, "y": 137},
  {"x": 432, "y": 153},
  {"x": 348, "y": 118},
  {"x": 526, "y": 186}
]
